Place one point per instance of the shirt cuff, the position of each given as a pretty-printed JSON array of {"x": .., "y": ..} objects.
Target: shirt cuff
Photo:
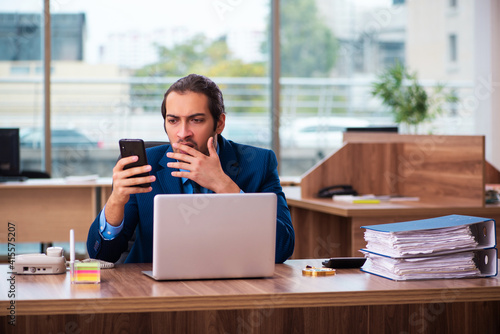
[{"x": 108, "y": 231}]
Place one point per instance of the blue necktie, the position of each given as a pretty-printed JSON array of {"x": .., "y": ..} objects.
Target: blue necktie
[{"x": 196, "y": 187}]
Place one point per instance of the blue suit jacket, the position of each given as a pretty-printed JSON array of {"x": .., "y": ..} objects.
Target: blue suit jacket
[{"x": 252, "y": 169}]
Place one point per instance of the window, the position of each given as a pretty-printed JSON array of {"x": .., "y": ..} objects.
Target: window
[
  {"x": 21, "y": 89},
  {"x": 108, "y": 79},
  {"x": 453, "y": 48}
]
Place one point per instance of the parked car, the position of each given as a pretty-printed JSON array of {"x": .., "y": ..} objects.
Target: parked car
[
  {"x": 61, "y": 138},
  {"x": 318, "y": 132},
  {"x": 248, "y": 132}
]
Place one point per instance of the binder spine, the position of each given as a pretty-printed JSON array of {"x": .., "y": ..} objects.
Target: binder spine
[
  {"x": 487, "y": 261},
  {"x": 484, "y": 233}
]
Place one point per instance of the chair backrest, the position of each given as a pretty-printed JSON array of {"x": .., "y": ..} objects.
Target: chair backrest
[{"x": 155, "y": 143}]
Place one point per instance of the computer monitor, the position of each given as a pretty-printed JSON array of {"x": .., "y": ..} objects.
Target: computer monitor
[
  {"x": 393, "y": 129},
  {"x": 9, "y": 151}
]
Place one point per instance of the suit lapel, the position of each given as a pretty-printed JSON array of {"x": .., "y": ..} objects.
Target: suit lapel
[{"x": 228, "y": 159}]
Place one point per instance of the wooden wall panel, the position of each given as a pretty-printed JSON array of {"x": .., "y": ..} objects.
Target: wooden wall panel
[
  {"x": 492, "y": 174},
  {"x": 364, "y": 166},
  {"x": 34, "y": 211},
  {"x": 444, "y": 172},
  {"x": 449, "y": 169},
  {"x": 320, "y": 235},
  {"x": 334, "y": 169}
]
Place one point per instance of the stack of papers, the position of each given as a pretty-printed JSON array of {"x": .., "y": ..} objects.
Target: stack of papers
[
  {"x": 457, "y": 265},
  {"x": 81, "y": 178},
  {"x": 372, "y": 199},
  {"x": 452, "y": 246},
  {"x": 398, "y": 244}
]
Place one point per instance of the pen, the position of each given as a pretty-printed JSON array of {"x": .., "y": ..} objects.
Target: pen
[{"x": 71, "y": 253}]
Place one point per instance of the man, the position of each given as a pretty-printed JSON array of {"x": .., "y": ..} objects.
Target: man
[{"x": 198, "y": 159}]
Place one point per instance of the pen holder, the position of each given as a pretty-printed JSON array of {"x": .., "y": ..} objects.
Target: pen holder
[{"x": 85, "y": 272}]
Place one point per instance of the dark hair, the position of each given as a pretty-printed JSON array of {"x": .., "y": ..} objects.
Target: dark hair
[{"x": 198, "y": 84}]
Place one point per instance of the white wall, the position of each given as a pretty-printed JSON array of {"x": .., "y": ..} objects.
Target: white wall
[{"x": 486, "y": 99}]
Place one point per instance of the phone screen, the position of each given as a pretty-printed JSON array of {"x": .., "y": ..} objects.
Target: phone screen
[{"x": 129, "y": 147}]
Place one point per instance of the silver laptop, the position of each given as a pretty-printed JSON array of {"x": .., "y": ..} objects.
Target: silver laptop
[{"x": 208, "y": 236}]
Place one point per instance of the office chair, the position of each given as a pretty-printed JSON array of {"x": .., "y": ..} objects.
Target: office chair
[
  {"x": 148, "y": 144},
  {"x": 124, "y": 255}
]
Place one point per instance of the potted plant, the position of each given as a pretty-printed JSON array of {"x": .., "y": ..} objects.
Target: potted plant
[{"x": 409, "y": 102}]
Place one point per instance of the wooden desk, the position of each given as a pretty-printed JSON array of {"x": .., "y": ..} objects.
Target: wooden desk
[
  {"x": 324, "y": 228},
  {"x": 349, "y": 302},
  {"x": 43, "y": 210},
  {"x": 447, "y": 173}
]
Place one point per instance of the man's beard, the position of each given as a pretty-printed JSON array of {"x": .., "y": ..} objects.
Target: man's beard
[{"x": 193, "y": 144}]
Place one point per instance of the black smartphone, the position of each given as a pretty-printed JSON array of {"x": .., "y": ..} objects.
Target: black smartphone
[
  {"x": 344, "y": 262},
  {"x": 130, "y": 147}
]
